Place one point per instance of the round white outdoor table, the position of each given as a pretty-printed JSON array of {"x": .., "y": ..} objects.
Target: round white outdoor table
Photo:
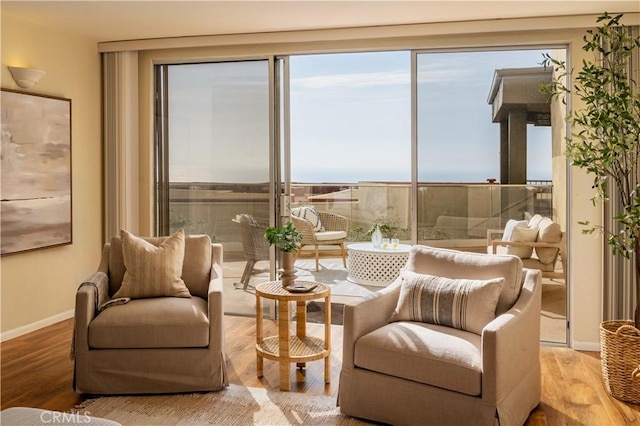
[{"x": 368, "y": 265}]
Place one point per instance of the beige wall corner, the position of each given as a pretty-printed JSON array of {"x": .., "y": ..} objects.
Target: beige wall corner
[{"x": 40, "y": 285}]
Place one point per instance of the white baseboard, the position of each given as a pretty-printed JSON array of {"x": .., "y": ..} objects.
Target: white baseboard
[
  {"x": 16, "y": 332},
  {"x": 586, "y": 346}
]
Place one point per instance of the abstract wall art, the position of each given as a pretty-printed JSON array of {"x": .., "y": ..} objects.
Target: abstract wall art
[{"x": 35, "y": 161}]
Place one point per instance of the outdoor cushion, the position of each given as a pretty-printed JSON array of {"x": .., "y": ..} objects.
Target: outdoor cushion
[
  {"x": 534, "y": 263},
  {"x": 548, "y": 232},
  {"x": 161, "y": 322},
  {"x": 522, "y": 234},
  {"x": 246, "y": 218},
  {"x": 534, "y": 221},
  {"x": 152, "y": 271},
  {"x": 508, "y": 228},
  {"x": 431, "y": 354},
  {"x": 330, "y": 235},
  {"x": 309, "y": 213},
  {"x": 459, "y": 303}
]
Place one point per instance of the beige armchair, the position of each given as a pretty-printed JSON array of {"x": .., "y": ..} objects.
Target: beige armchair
[
  {"x": 409, "y": 372},
  {"x": 333, "y": 233},
  {"x": 154, "y": 344}
]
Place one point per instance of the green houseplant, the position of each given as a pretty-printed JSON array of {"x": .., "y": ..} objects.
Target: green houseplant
[
  {"x": 605, "y": 141},
  {"x": 286, "y": 239}
]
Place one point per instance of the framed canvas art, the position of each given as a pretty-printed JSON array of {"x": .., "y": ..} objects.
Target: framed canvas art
[{"x": 35, "y": 161}]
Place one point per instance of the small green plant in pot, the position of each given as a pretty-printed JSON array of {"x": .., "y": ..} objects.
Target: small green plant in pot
[
  {"x": 605, "y": 141},
  {"x": 286, "y": 239}
]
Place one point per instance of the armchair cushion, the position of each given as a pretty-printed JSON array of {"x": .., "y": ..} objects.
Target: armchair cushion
[
  {"x": 246, "y": 218},
  {"x": 152, "y": 271},
  {"x": 456, "y": 264},
  {"x": 464, "y": 304},
  {"x": 522, "y": 234},
  {"x": 309, "y": 213},
  {"x": 330, "y": 235},
  {"x": 548, "y": 232},
  {"x": 161, "y": 322},
  {"x": 431, "y": 354},
  {"x": 534, "y": 221},
  {"x": 510, "y": 226}
]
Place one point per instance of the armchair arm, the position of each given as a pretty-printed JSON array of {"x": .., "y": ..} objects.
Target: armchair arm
[
  {"x": 215, "y": 306},
  {"x": 304, "y": 227},
  {"x": 91, "y": 294},
  {"x": 491, "y": 234},
  {"x": 371, "y": 313},
  {"x": 333, "y": 221},
  {"x": 511, "y": 343}
]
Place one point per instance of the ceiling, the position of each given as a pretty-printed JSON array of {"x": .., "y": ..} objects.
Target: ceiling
[{"x": 133, "y": 20}]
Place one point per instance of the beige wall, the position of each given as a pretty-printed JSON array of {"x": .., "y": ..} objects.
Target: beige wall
[{"x": 39, "y": 287}]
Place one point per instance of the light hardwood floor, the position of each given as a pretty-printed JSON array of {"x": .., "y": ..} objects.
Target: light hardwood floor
[{"x": 37, "y": 372}]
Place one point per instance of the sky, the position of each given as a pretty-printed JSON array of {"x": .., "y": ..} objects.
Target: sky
[{"x": 350, "y": 118}]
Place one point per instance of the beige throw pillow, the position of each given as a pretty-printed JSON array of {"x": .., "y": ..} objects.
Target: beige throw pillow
[
  {"x": 152, "y": 271},
  {"x": 548, "y": 232},
  {"x": 508, "y": 228},
  {"x": 465, "y": 304},
  {"x": 311, "y": 214},
  {"x": 521, "y": 234}
]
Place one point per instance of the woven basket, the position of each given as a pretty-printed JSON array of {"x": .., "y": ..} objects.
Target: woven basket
[{"x": 620, "y": 354}]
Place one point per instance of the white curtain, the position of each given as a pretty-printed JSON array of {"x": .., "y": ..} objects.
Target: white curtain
[{"x": 120, "y": 139}]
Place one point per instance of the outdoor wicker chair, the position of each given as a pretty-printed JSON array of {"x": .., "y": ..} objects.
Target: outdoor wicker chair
[
  {"x": 254, "y": 245},
  {"x": 330, "y": 230}
]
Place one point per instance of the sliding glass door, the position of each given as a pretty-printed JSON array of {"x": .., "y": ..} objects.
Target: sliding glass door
[
  {"x": 485, "y": 154},
  {"x": 483, "y": 143},
  {"x": 213, "y": 164},
  {"x": 439, "y": 146},
  {"x": 351, "y": 138}
]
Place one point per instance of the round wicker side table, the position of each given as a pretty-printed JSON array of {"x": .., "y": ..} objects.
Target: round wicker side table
[{"x": 286, "y": 347}]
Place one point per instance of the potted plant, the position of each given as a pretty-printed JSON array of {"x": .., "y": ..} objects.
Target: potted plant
[
  {"x": 605, "y": 141},
  {"x": 286, "y": 239}
]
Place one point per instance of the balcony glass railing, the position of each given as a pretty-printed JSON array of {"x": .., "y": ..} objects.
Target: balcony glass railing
[{"x": 449, "y": 215}]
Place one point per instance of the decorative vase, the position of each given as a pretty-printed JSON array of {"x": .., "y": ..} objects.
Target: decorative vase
[
  {"x": 287, "y": 272},
  {"x": 376, "y": 237}
]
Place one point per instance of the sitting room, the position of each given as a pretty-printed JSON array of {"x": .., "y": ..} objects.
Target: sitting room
[{"x": 313, "y": 212}]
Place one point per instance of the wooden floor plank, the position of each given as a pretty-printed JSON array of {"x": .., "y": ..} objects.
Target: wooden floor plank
[{"x": 36, "y": 371}]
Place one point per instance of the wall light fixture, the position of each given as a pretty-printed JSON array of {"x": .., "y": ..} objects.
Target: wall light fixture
[{"x": 26, "y": 77}]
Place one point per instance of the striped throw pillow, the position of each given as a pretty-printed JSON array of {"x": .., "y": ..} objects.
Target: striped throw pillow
[
  {"x": 311, "y": 214},
  {"x": 152, "y": 271},
  {"x": 465, "y": 304}
]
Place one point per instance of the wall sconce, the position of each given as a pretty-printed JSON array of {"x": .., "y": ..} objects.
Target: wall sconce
[{"x": 26, "y": 77}]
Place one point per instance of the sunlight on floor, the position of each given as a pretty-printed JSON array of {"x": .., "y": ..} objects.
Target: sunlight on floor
[{"x": 238, "y": 301}]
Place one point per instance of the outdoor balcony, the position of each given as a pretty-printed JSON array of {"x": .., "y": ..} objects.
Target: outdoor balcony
[{"x": 449, "y": 215}]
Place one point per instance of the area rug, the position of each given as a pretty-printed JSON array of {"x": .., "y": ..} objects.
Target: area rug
[
  {"x": 332, "y": 274},
  {"x": 315, "y": 312},
  {"x": 236, "y": 405}
]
